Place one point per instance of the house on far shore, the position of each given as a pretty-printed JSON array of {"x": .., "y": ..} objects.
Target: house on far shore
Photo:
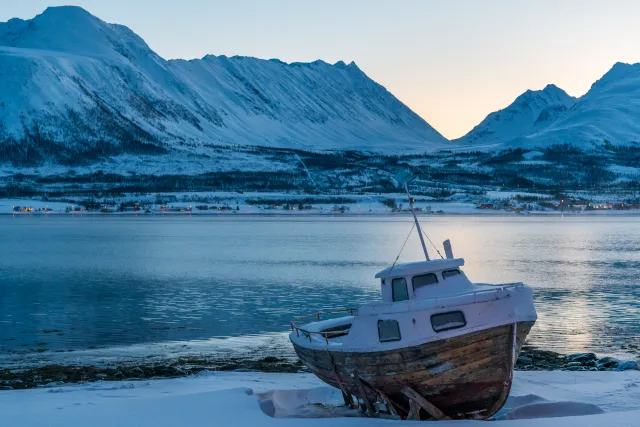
[
  {"x": 486, "y": 206},
  {"x": 340, "y": 209},
  {"x": 625, "y": 206},
  {"x": 600, "y": 206}
]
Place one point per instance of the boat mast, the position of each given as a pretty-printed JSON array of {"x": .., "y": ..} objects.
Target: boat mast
[{"x": 415, "y": 218}]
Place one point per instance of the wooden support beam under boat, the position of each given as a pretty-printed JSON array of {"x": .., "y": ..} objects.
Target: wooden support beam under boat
[
  {"x": 392, "y": 408},
  {"x": 392, "y": 404},
  {"x": 370, "y": 409},
  {"x": 424, "y": 403},
  {"x": 414, "y": 410},
  {"x": 348, "y": 400}
]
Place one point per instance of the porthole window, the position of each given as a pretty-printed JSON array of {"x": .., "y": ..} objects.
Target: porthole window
[
  {"x": 388, "y": 330},
  {"x": 423, "y": 280},
  {"x": 446, "y": 321},
  {"x": 450, "y": 273},
  {"x": 399, "y": 289}
]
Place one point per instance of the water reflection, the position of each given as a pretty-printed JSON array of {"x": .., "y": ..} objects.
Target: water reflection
[{"x": 79, "y": 282}]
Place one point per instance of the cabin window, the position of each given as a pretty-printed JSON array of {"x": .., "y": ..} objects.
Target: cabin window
[
  {"x": 399, "y": 289},
  {"x": 424, "y": 280},
  {"x": 388, "y": 330},
  {"x": 446, "y": 321},
  {"x": 450, "y": 273}
]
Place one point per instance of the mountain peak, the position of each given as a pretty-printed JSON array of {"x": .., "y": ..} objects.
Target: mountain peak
[
  {"x": 65, "y": 12},
  {"x": 527, "y": 111},
  {"x": 552, "y": 88},
  {"x": 622, "y": 76},
  {"x": 621, "y": 65},
  {"x": 71, "y": 29},
  {"x": 550, "y": 91}
]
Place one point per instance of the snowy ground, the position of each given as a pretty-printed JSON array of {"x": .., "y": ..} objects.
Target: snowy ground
[{"x": 256, "y": 399}]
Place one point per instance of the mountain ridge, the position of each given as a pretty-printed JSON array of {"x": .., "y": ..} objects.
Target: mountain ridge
[{"x": 90, "y": 89}]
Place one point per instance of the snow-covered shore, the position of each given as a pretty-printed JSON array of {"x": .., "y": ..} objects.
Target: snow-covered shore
[{"x": 259, "y": 399}]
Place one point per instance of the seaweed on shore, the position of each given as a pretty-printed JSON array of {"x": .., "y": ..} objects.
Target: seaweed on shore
[{"x": 56, "y": 375}]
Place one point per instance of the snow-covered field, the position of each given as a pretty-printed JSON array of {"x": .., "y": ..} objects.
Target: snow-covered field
[{"x": 257, "y": 399}]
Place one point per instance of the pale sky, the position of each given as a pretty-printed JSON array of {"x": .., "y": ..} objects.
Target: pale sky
[{"x": 452, "y": 61}]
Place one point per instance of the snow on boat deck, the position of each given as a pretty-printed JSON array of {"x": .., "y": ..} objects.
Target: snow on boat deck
[{"x": 258, "y": 399}]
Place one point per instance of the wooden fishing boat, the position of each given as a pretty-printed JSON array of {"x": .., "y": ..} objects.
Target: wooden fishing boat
[{"x": 436, "y": 346}]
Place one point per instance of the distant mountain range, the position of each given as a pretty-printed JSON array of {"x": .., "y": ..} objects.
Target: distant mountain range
[{"x": 74, "y": 90}]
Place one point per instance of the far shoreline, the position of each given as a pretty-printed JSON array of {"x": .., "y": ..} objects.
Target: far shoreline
[{"x": 329, "y": 214}]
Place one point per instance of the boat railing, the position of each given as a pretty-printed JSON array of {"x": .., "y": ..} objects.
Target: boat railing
[
  {"x": 495, "y": 288},
  {"x": 318, "y": 317}
]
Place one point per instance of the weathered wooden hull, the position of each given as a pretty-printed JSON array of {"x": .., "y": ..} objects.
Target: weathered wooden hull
[{"x": 468, "y": 376}]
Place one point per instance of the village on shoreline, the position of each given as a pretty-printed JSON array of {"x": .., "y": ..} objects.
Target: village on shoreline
[{"x": 238, "y": 203}]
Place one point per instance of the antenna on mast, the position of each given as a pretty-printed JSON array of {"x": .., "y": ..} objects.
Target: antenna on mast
[{"x": 415, "y": 218}]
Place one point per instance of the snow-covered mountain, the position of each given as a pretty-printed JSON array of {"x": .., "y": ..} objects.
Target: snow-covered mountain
[
  {"x": 609, "y": 111},
  {"x": 73, "y": 86},
  {"x": 530, "y": 111}
]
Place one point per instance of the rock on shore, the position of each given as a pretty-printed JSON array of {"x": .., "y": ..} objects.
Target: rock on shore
[{"x": 532, "y": 359}]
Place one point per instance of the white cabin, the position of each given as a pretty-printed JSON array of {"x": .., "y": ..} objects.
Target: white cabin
[{"x": 423, "y": 280}]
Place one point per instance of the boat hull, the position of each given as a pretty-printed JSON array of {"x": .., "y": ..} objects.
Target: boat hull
[{"x": 466, "y": 377}]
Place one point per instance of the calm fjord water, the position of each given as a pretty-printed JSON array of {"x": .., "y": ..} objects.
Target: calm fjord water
[{"x": 70, "y": 283}]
